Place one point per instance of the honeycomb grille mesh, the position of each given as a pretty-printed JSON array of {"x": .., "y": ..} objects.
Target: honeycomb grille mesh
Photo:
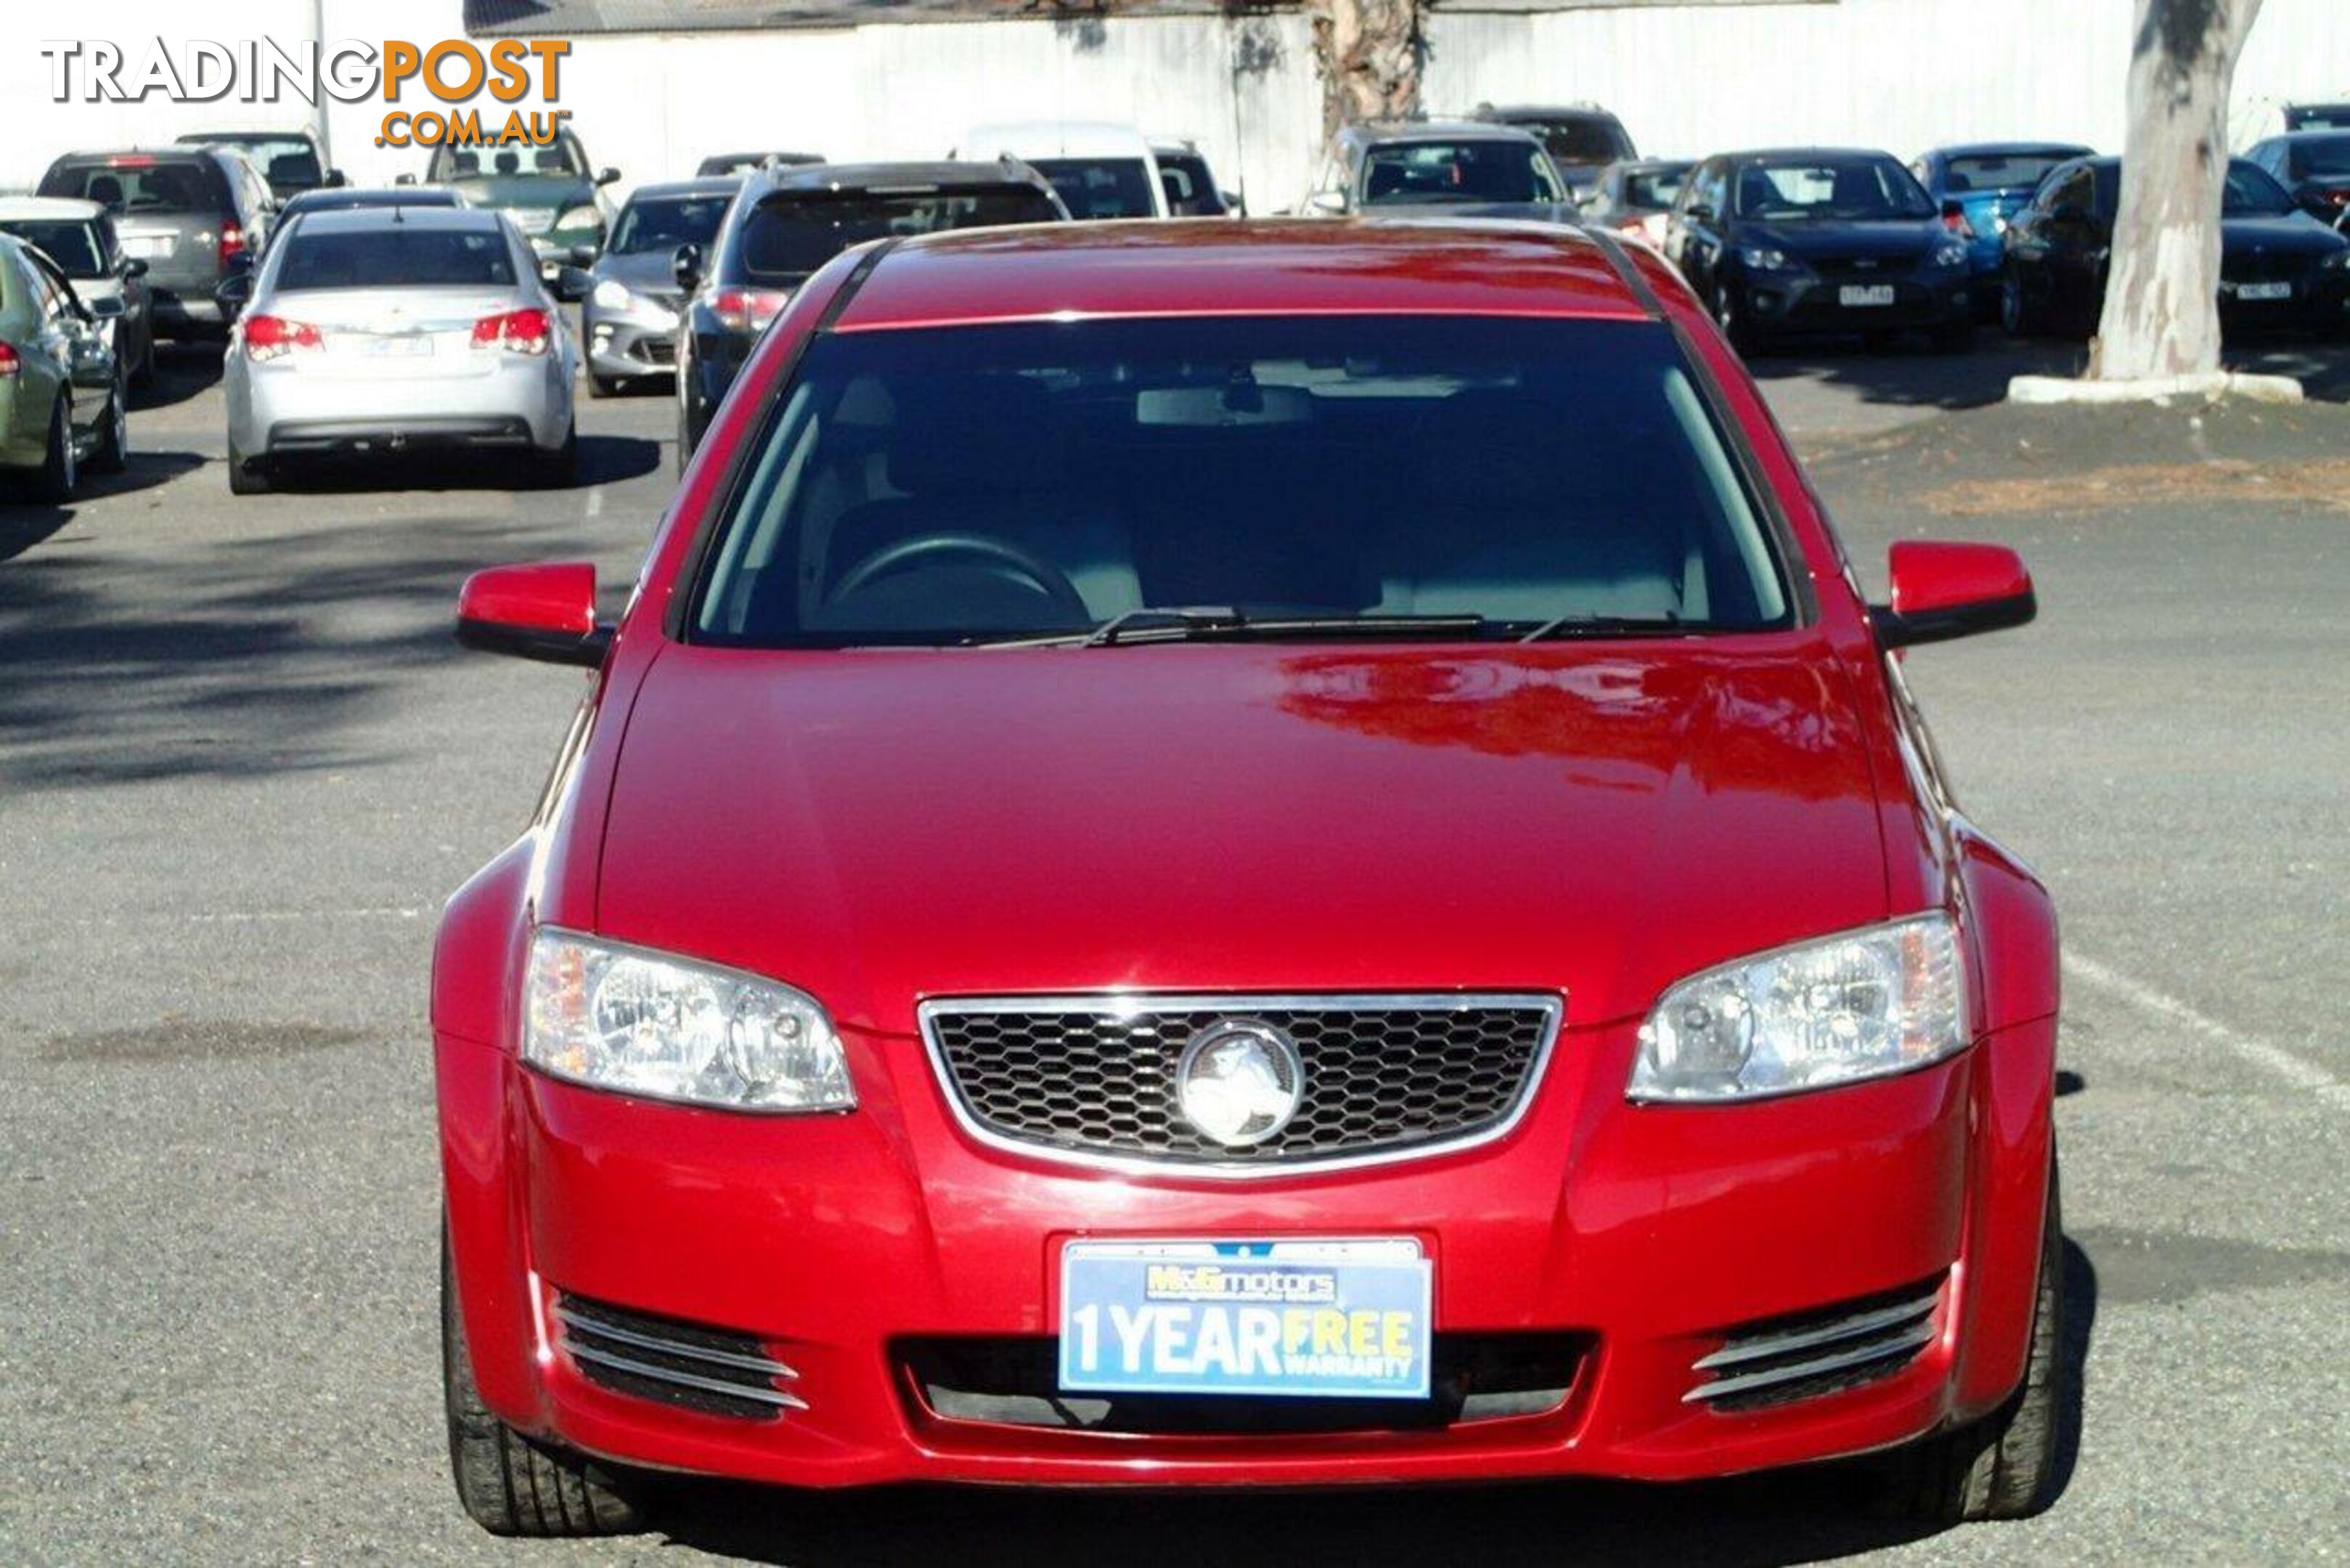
[{"x": 1379, "y": 1076}]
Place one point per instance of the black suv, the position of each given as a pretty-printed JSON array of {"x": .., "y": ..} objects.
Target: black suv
[
  {"x": 789, "y": 222},
  {"x": 196, "y": 215},
  {"x": 1581, "y": 139}
]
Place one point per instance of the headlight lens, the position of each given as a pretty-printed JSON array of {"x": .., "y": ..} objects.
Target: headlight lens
[
  {"x": 581, "y": 218},
  {"x": 612, "y": 295},
  {"x": 1763, "y": 258},
  {"x": 1811, "y": 1016},
  {"x": 641, "y": 1022},
  {"x": 1950, "y": 254}
]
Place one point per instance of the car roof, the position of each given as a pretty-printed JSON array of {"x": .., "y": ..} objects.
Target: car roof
[
  {"x": 1753, "y": 153},
  {"x": 1997, "y": 149},
  {"x": 326, "y": 198},
  {"x": 1381, "y": 130},
  {"x": 291, "y": 133},
  {"x": 374, "y": 219},
  {"x": 55, "y": 209},
  {"x": 706, "y": 186},
  {"x": 946, "y": 172},
  {"x": 196, "y": 152},
  {"x": 2314, "y": 133},
  {"x": 1055, "y": 138},
  {"x": 1543, "y": 111},
  {"x": 1215, "y": 267}
]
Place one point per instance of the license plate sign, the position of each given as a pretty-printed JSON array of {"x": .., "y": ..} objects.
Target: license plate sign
[
  {"x": 1331, "y": 1320},
  {"x": 399, "y": 346},
  {"x": 149, "y": 247},
  {"x": 1865, "y": 294},
  {"x": 2264, "y": 291}
]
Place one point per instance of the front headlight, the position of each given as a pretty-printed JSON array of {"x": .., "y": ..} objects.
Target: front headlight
[
  {"x": 579, "y": 219},
  {"x": 641, "y": 1022},
  {"x": 1949, "y": 253},
  {"x": 1811, "y": 1016},
  {"x": 612, "y": 295},
  {"x": 1763, "y": 258}
]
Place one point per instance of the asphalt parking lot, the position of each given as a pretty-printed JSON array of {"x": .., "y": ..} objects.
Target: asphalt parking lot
[{"x": 242, "y": 762}]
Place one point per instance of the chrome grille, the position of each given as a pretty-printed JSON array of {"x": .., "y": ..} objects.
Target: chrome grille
[
  {"x": 1805, "y": 1356},
  {"x": 717, "y": 1371},
  {"x": 1093, "y": 1077}
]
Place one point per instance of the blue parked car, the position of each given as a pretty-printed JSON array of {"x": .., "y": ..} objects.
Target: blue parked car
[{"x": 1991, "y": 181}]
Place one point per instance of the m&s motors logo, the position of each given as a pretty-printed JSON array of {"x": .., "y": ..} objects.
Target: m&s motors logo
[{"x": 454, "y": 73}]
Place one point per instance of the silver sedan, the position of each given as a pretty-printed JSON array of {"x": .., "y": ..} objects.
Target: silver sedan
[{"x": 389, "y": 329}]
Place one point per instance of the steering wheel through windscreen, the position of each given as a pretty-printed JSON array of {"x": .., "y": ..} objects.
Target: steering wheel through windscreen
[{"x": 1047, "y": 578}]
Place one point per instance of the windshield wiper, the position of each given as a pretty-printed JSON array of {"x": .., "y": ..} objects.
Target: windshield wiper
[
  {"x": 1187, "y": 623},
  {"x": 1581, "y": 624}
]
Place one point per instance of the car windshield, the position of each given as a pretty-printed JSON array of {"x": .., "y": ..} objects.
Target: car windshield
[
  {"x": 1657, "y": 188},
  {"x": 665, "y": 223},
  {"x": 2321, "y": 155},
  {"x": 1999, "y": 170},
  {"x": 954, "y": 485},
  {"x": 785, "y": 238},
  {"x": 561, "y": 161},
  {"x": 1418, "y": 172},
  {"x": 396, "y": 255},
  {"x": 71, "y": 244},
  {"x": 1829, "y": 189},
  {"x": 1099, "y": 187},
  {"x": 139, "y": 184},
  {"x": 1581, "y": 141}
]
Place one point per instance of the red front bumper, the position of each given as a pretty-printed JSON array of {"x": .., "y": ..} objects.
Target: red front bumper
[{"x": 1650, "y": 1230}]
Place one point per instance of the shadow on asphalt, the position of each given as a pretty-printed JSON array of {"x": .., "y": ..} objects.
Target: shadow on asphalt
[
  {"x": 256, "y": 659},
  {"x": 183, "y": 371},
  {"x": 603, "y": 460},
  {"x": 1910, "y": 375},
  {"x": 24, "y": 523},
  {"x": 1795, "y": 1516}
]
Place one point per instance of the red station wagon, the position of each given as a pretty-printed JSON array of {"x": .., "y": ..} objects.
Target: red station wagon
[{"x": 1246, "y": 854}]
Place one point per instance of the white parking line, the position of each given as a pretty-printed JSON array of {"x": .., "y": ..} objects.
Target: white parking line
[{"x": 2300, "y": 1073}]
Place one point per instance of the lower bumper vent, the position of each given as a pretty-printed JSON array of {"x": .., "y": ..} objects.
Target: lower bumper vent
[
  {"x": 1777, "y": 1361},
  {"x": 1015, "y": 1382},
  {"x": 716, "y": 1371}
]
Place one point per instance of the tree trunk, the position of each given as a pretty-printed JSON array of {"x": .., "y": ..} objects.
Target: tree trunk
[
  {"x": 1368, "y": 53},
  {"x": 2161, "y": 311}
]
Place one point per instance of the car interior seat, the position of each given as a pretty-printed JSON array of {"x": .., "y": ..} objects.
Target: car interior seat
[{"x": 107, "y": 192}]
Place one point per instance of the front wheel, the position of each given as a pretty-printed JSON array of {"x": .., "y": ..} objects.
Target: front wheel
[
  {"x": 58, "y": 476},
  {"x": 2003, "y": 1466},
  {"x": 1735, "y": 324},
  {"x": 508, "y": 1484},
  {"x": 2015, "y": 316},
  {"x": 112, "y": 453}
]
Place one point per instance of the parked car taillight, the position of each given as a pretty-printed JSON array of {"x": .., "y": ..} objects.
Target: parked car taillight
[
  {"x": 232, "y": 241},
  {"x": 9, "y": 363},
  {"x": 749, "y": 309},
  {"x": 525, "y": 331},
  {"x": 268, "y": 338},
  {"x": 1957, "y": 223}
]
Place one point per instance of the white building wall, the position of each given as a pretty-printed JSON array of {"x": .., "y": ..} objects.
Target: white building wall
[{"x": 1899, "y": 74}]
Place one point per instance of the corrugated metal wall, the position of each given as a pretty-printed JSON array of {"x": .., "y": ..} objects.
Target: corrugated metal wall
[{"x": 1899, "y": 74}]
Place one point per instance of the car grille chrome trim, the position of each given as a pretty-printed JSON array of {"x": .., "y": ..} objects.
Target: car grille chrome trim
[
  {"x": 714, "y": 1371},
  {"x": 1784, "y": 1360},
  {"x": 1143, "y": 1143}
]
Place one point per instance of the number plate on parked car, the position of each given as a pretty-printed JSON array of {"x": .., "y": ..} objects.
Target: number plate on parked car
[
  {"x": 2264, "y": 291},
  {"x": 149, "y": 247},
  {"x": 1305, "y": 1319},
  {"x": 1865, "y": 294}
]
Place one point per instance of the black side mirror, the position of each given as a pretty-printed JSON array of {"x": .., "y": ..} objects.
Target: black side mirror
[
  {"x": 582, "y": 255},
  {"x": 685, "y": 267},
  {"x": 1234, "y": 205},
  {"x": 235, "y": 292},
  {"x": 572, "y": 283},
  {"x": 134, "y": 267},
  {"x": 1698, "y": 212},
  {"x": 606, "y": 175},
  {"x": 106, "y": 308}
]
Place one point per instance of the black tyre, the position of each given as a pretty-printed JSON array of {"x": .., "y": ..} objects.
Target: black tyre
[
  {"x": 245, "y": 477},
  {"x": 510, "y": 1484},
  {"x": 112, "y": 453},
  {"x": 2003, "y": 1466},
  {"x": 55, "y": 481},
  {"x": 2015, "y": 314},
  {"x": 1735, "y": 324},
  {"x": 558, "y": 469}
]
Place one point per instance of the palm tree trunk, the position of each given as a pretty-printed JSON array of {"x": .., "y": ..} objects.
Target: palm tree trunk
[{"x": 1368, "y": 54}]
